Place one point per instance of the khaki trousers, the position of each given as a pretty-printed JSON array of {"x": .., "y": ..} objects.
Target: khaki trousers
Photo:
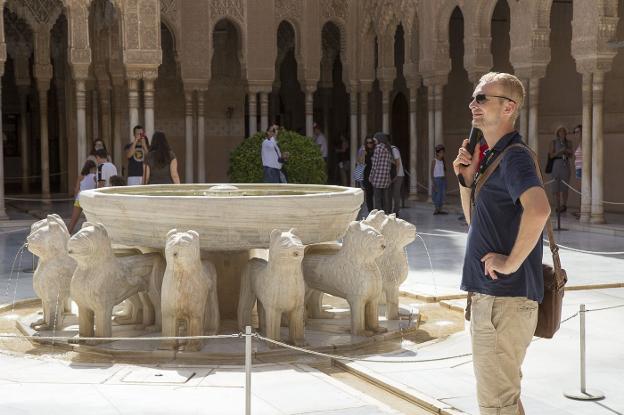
[{"x": 501, "y": 329}]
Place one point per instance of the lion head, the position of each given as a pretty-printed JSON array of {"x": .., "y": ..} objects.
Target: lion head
[
  {"x": 364, "y": 239},
  {"x": 48, "y": 237},
  {"x": 90, "y": 242},
  {"x": 398, "y": 232},
  {"x": 182, "y": 248},
  {"x": 285, "y": 245}
]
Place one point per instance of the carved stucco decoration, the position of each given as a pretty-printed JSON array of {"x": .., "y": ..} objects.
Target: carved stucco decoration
[
  {"x": 37, "y": 12},
  {"x": 289, "y": 9},
  {"x": 334, "y": 9},
  {"x": 385, "y": 15},
  {"x": 234, "y": 9}
]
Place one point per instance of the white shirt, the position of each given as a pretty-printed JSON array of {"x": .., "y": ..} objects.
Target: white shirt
[
  {"x": 105, "y": 172},
  {"x": 271, "y": 153},
  {"x": 438, "y": 169},
  {"x": 396, "y": 155},
  {"x": 321, "y": 141}
]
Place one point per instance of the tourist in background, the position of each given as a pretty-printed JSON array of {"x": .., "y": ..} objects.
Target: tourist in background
[
  {"x": 343, "y": 159},
  {"x": 135, "y": 153},
  {"x": 160, "y": 165},
  {"x": 397, "y": 180},
  {"x": 368, "y": 150},
  {"x": 320, "y": 140},
  {"x": 578, "y": 153},
  {"x": 105, "y": 169},
  {"x": 272, "y": 158},
  {"x": 561, "y": 152},
  {"x": 438, "y": 180},
  {"x": 85, "y": 181},
  {"x": 98, "y": 144},
  {"x": 380, "y": 173}
]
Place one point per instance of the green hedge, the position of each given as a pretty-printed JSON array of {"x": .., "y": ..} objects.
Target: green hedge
[{"x": 305, "y": 165}]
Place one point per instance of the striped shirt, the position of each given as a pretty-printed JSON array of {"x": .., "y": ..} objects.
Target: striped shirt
[{"x": 578, "y": 158}]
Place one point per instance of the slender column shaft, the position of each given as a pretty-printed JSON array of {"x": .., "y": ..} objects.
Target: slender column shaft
[
  {"x": 586, "y": 149},
  {"x": 439, "y": 130},
  {"x": 353, "y": 144},
  {"x": 118, "y": 157},
  {"x": 253, "y": 121},
  {"x": 201, "y": 138},
  {"x": 105, "y": 116},
  {"x": 95, "y": 118},
  {"x": 533, "y": 140},
  {"x": 309, "y": 111},
  {"x": 23, "y": 101},
  {"x": 45, "y": 150},
  {"x": 3, "y": 214},
  {"x": 363, "y": 115},
  {"x": 148, "y": 100},
  {"x": 133, "y": 105},
  {"x": 62, "y": 131},
  {"x": 597, "y": 212},
  {"x": 431, "y": 130},
  {"x": 413, "y": 153},
  {"x": 81, "y": 123},
  {"x": 188, "y": 111},
  {"x": 385, "y": 109},
  {"x": 264, "y": 110}
]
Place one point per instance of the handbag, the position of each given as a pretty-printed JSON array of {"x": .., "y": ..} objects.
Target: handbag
[
  {"x": 358, "y": 172},
  {"x": 554, "y": 277}
]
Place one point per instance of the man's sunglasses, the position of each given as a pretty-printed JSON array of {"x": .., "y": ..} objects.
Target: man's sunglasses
[{"x": 482, "y": 98}]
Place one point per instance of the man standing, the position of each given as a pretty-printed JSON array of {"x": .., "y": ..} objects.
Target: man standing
[
  {"x": 135, "y": 153},
  {"x": 272, "y": 159},
  {"x": 380, "y": 173},
  {"x": 397, "y": 180},
  {"x": 105, "y": 169},
  {"x": 503, "y": 262},
  {"x": 320, "y": 140}
]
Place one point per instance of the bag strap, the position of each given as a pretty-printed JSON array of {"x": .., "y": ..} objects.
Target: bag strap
[{"x": 554, "y": 248}]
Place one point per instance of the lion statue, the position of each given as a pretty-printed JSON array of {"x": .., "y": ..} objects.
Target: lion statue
[
  {"x": 189, "y": 291},
  {"x": 392, "y": 264},
  {"x": 102, "y": 280},
  {"x": 48, "y": 240},
  {"x": 278, "y": 286},
  {"x": 349, "y": 271}
]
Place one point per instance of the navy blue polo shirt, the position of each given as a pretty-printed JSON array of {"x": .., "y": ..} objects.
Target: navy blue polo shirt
[{"x": 495, "y": 224}]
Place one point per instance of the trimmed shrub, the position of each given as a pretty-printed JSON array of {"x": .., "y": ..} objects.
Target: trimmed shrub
[{"x": 305, "y": 164}]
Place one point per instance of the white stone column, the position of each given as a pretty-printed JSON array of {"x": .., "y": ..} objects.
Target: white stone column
[
  {"x": 533, "y": 139},
  {"x": 353, "y": 143},
  {"x": 439, "y": 129},
  {"x": 413, "y": 151},
  {"x": 3, "y": 214},
  {"x": 95, "y": 117},
  {"x": 62, "y": 131},
  {"x": 104, "y": 95},
  {"x": 148, "y": 103},
  {"x": 81, "y": 123},
  {"x": 23, "y": 128},
  {"x": 201, "y": 137},
  {"x": 253, "y": 120},
  {"x": 188, "y": 112},
  {"x": 431, "y": 130},
  {"x": 119, "y": 156},
  {"x": 133, "y": 105},
  {"x": 597, "y": 210},
  {"x": 586, "y": 149},
  {"x": 363, "y": 114},
  {"x": 264, "y": 110},
  {"x": 309, "y": 109},
  {"x": 385, "y": 109},
  {"x": 43, "y": 85},
  {"x": 524, "y": 115}
]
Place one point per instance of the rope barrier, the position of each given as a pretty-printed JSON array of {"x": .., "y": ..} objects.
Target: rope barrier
[
  {"x": 34, "y": 177},
  {"x": 584, "y": 251},
  {"x": 76, "y": 339},
  {"x": 23, "y": 199},
  {"x": 603, "y": 201}
]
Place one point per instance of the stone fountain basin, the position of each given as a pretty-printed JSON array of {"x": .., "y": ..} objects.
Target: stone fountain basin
[{"x": 227, "y": 217}]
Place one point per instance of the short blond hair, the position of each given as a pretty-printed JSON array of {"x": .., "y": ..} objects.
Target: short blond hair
[{"x": 512, "y": 87}]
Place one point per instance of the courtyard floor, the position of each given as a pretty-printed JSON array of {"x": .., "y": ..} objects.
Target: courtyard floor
[{"x": 43, "y": 383}]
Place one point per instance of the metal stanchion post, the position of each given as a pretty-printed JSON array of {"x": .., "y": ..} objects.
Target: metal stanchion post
[
  {"x": 559, "y": 228},
  {"x": 247, "y": 370},
  {"x": 584, "y": 394}
]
